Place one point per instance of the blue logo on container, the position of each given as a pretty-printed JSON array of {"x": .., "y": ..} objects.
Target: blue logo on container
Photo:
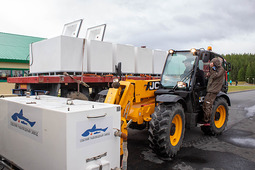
[
  {"x": 18, "y": 117},
  {"x": 93, "y": 131}
]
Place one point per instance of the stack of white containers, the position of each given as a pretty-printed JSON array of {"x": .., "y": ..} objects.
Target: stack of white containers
[{"x": 68, "y": 54}]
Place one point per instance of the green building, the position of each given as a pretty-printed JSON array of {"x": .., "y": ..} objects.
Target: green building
[{"x": 14, "y": 58}]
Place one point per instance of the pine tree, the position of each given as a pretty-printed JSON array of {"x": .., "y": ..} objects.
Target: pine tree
[
  {"x": 243, "y": 66},
  {"x": 241, "y": 74},
  {"x": 248, "y": 73}
]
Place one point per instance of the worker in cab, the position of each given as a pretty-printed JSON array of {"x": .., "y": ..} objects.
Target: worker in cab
[{"x": 188, "y": 66}]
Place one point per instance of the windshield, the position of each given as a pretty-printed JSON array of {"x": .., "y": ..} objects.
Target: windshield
[{"x": 178, "y": 68}]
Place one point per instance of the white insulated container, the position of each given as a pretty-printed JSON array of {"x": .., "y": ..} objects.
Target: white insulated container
[
  {"x": 100, "y": 57},
  {"x": 126, "y": 55},
  {"x": 159, "y": 58},
  {"x": 144, "y": 58},
  {"x": 50, "y": 134},
  {"x": 59, "y": 54}
]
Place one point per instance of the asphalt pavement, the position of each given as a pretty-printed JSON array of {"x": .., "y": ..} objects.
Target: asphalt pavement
[{"x": 234, "y": 149}]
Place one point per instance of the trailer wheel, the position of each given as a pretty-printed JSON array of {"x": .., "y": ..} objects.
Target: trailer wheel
[
  {"x": 166, "y": 130},
  {"x": 219, "y": 118}
]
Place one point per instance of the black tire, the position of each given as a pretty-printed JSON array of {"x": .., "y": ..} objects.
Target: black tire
[
  {"x": 219, "y": 118},
  {"x": 164, "y": 135}
]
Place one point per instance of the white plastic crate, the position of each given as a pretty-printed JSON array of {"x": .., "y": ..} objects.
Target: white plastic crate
[{"x": 49, "y": 134}]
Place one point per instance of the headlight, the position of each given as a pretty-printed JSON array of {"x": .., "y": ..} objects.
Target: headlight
[
  {"x": 115, "y": 80},
  {"x": 115, "y": 83},
  {"x": 181, "y": 85}
]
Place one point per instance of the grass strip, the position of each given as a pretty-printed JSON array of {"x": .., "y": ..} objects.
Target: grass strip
[{"x": 240, "y": 88}]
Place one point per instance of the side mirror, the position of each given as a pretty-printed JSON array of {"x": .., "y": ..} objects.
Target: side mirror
[{"x": 205, "y": 57}]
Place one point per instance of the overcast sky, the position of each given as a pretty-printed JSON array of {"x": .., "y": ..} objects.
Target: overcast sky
[{"x": 227, "y": 25}]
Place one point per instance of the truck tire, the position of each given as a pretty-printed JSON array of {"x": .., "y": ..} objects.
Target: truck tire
[
  {"x": 219, "y": 118},
  {"x": 166, "y": 129}
]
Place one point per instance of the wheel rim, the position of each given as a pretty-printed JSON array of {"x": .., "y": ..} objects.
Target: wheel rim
[
  {"x": 176, "y": 130},
  {"x": 220, "y": 116}
]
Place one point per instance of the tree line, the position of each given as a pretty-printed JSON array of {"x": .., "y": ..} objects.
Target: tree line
[{"x": 242, "y": 67}]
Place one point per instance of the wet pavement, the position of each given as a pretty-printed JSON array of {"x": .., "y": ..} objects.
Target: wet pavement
[{"x": 234, "y": 149}]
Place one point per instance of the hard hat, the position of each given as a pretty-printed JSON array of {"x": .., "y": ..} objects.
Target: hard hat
[{"x": 209, "y": 48}]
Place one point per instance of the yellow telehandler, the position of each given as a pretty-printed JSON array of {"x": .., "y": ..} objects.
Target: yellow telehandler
[{"x": 170, "y": 104}]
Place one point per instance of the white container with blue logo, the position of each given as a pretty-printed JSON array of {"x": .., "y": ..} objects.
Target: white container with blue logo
[{"x": 54, "y": 133}]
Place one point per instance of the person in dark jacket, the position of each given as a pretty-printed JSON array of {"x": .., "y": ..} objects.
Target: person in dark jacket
[{"x": 215, "y": 82}]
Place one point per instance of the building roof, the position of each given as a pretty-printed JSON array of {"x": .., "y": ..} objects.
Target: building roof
[{"x": 15, "y": 48}]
